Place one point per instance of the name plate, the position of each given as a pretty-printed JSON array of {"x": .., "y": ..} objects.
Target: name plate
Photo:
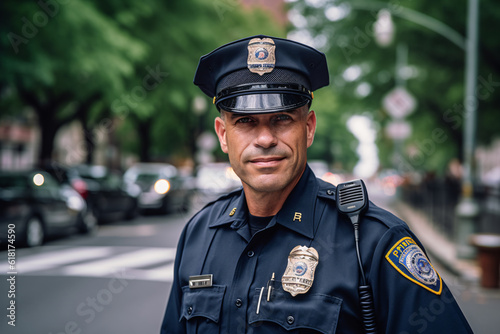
[{"x": 200, "y": 281}]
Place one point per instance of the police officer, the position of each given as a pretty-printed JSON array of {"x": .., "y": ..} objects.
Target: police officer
[{"x": 276, "y": 256}]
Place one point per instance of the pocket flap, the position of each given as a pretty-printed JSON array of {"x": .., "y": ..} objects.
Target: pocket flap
[
  {"x": 309, "y": 311},
  {"x": 204, "y": 302}
]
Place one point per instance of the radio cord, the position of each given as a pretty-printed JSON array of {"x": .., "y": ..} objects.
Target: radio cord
[{"x": 365, "y": 290}]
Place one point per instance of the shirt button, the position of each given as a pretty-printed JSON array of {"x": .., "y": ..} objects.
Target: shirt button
[
  {"x": 238, "y": 302},
  {"x": 250, "y": 253},
  {"x": 290, "y": 320},
  {"x": 190, "y": 310}
]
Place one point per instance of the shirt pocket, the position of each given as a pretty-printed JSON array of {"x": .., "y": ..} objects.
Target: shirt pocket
[
  {"x": 202, "y": 308},
  {"x": 305, "y": 313}
]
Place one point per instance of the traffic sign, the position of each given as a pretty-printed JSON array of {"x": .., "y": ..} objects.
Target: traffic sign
[
  {"x": 399, "y": 103},
  {"x": 398, "y": 130}
]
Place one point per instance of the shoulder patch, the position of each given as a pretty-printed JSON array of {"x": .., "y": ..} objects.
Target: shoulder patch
[{"x": 410, "y": 261}]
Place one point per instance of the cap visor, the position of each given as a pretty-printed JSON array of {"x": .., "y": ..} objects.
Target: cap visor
[{"x": 262, "y": 103}]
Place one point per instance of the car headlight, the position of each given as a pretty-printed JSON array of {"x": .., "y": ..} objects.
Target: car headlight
[
  {"x": 38, "y": 179},
  {"x": 162, "y": 186},
  {"x": 75, "y": 203},
  {"x": 73, "y": 200}
]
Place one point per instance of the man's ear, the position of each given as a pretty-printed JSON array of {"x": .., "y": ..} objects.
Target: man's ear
[
  {"x": 311, "y": 127},
  {"x": 220, "y": 129}
]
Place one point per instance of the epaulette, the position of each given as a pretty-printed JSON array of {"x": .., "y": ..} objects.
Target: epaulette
[
  {"x": 223, "y": 197},
  {"x": 383, "y": 216},
  {"x": 328, "y": 191}
]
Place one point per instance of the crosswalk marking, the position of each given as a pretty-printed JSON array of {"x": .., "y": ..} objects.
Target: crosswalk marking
[
  {"x": 137, "y": 263},
  {"x": 162, "y": 273},
  {"x": 134, "y": 259},
  {"x": 56, "y": 258}
]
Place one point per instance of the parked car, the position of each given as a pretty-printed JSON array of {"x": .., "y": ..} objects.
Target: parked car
[
  {"x": 107, "y": 196},
  {"x": 33, "y": 206},
  {"x": 162, "y": 187}
]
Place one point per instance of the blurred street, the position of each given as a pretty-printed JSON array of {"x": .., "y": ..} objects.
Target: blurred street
[
  {"x": 114, "y": 282},
  {"x": 118, "y": 280}
]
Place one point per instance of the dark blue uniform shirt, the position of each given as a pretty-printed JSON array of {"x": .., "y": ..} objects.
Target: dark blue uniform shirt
[{"x": 217, "y": 241}]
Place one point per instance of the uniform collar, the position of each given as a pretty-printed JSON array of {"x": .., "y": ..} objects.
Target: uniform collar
[
  {"x": 234, "y": 213},
  {"x": 296, "y": 214}
]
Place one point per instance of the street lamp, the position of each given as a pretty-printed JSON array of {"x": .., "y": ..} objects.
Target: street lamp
[
  {"x": 468, "y": 210},
  {"x": 384, "y": 28}
]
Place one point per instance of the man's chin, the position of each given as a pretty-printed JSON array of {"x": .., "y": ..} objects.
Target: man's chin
[{"x": 267, "y": 182}]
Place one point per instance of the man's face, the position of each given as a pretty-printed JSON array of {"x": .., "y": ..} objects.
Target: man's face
[{"x": 267, "y": 151}]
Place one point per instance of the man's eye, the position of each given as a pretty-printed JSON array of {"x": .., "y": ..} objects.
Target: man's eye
[
  {"x": 244, "y": 120},
  {"x": 283, "y": 117}
]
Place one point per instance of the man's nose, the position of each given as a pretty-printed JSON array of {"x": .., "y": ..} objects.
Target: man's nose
[{"x": 265, "y": 137}]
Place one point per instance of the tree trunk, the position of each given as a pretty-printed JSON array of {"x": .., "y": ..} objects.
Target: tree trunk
[
  {"x": 48, "y": 130},
  {"x": 47, "y": 121},
  {"x": 144, "y": 130},
  {"x": 82, "y": 113}
]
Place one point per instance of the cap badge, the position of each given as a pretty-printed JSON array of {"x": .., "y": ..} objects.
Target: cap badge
[
  {"x": 261, "y": 57},
  {"x": 299, "y": 273}
]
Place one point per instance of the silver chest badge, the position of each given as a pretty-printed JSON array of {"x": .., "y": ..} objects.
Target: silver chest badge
[{"x": 299, "y": 274}]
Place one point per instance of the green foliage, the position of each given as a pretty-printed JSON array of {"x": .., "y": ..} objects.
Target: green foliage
[
  {"x": 333, "y": 141},
  {"x": 60, "y": 58},
  {"x": 132, "y": 61},
  {"x": 176, "y": 44},
  {"x": 71, "y": 46},
  {"x": 436, "y": 76}
]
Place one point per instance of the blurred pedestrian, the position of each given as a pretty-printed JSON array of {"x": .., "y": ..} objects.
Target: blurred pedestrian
[{"x": 276, "y": 256}]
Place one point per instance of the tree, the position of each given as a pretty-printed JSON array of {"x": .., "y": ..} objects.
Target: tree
[
  {"x": 116, "y": 64},
  {"x": 166, "y": 123},
  {"x": 363, "y": 72},
  {"x": 61, "y": 58}
]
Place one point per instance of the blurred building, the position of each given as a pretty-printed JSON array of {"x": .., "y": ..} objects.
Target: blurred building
[
  {"x": 18, "y": 141},
  {"x": 20, "y": 144},
  {"x": 277, "y": 8},
  {"x": 71, "y": 145}
]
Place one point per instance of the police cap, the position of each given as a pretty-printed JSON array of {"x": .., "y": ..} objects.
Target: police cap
[{"x": 261, "y": 74}]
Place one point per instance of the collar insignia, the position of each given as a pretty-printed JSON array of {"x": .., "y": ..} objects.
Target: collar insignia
[
  {"x": 261, "y": 57},
  {"x": 233, "y": 211},
  {"x": 297, "y": 216}
]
